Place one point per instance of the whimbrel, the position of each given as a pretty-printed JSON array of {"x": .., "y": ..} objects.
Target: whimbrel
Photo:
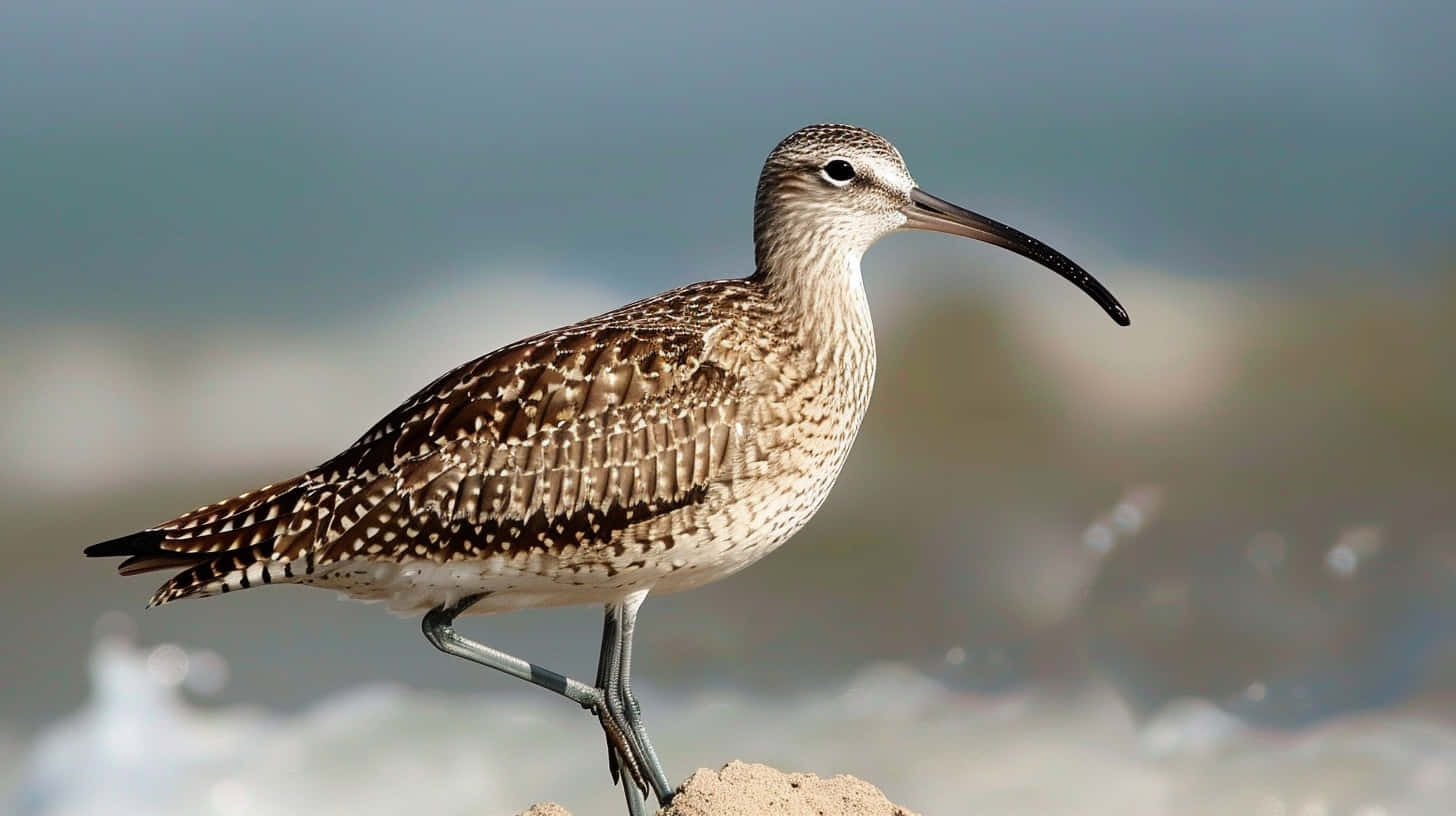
[{"x": 654, "y": 448}]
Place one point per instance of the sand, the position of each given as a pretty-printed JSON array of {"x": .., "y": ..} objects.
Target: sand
[{"x": 746, "y": 789}]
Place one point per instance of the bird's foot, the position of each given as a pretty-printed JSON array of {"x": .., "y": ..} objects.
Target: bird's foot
[{"x": 621, "y": 752}]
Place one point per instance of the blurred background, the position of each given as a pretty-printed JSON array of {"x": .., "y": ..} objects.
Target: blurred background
[{"x": 1206, "y": 564}]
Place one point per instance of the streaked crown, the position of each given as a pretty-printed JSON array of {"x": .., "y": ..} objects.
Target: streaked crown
[{"x": 839, "y": 186}]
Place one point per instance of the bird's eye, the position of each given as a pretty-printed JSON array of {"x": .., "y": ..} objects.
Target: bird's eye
[{"x": 839, "y": 171}]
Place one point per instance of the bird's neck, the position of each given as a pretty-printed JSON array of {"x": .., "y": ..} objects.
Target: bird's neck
[{"x": 822, "y": 296}]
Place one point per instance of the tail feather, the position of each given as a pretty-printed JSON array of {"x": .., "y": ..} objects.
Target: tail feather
[
  {"x": 219, "y": 575},
  {"x": 225, "y": 525},
  {"x": 144, "y": 553},
  {"x": 219, "y": 547},
  {"x": 139, "y": 564},
  {"x": 146, "y": 542}
]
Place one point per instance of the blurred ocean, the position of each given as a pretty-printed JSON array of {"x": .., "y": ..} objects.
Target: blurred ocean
[
  {"x": 1206, "y": 564},
  {"x": 138, "y": 747}
]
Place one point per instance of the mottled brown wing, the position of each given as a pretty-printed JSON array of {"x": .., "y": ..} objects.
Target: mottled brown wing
[
  {"x": 539, "y": 445},
  {"x": 560, "y": 440}
]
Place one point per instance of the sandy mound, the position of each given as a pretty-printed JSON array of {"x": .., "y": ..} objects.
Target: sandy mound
[{"x": 744, "y": 789}]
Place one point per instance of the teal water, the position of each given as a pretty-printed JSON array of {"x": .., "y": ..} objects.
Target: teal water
[{"x": 167, "y": 162}]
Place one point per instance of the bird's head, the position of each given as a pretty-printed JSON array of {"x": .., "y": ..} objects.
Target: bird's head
[{"x": 839, "y": 188}]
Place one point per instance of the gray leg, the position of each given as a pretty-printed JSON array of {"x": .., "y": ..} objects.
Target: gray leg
[
  {"x": 439, "y": 628},
  {"x": 614, "y": 676},
  {"x": 633, "y": 791},
  {"x": 633, "y": 711},
  {"x": 607, "y": 667}
]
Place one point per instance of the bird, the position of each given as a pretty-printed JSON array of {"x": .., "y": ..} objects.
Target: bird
[{"x": 651, "y": 449}]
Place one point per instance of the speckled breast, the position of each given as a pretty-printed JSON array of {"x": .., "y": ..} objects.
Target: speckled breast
[{"x": 791, "y": 446}]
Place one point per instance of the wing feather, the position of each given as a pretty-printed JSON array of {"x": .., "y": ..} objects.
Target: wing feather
[
  {"x": 562, "y": 440},
  {"x": 608, "y": 422}
]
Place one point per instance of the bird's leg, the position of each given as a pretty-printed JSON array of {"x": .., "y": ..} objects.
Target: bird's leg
[
  {"x": 634, "y": 784},
  {"x": 612, "y": 721},
  {"x": 621, "y": 700},
  {"x": 439, "y": 628},
  {"x": 606, "y": 668}
]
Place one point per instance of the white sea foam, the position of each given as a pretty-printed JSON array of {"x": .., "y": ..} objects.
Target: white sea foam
[{"x": 139, "y": 748}]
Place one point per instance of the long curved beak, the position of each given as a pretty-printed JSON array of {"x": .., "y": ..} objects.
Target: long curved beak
[{"x": 926, "y": 212}]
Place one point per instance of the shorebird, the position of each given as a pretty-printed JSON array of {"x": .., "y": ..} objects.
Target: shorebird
[{"x": 654, "y": 448}]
